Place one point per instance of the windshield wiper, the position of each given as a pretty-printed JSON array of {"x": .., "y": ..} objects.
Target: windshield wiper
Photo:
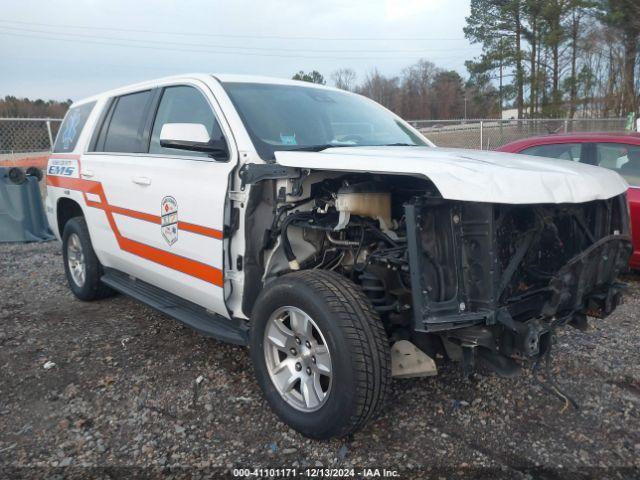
[
  {"x": 319, "y": 148},
  {"x": 316, "y": 148},
  {"x": 398, "y": 145}
]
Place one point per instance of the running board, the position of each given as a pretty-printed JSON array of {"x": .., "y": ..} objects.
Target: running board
[{"x": 188, "y": 313}]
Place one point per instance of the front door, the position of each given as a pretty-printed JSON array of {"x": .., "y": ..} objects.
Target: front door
[{"x": 165, "y": 206}]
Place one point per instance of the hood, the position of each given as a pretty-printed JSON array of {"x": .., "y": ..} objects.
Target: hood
[{"x": 473, "y": 175}]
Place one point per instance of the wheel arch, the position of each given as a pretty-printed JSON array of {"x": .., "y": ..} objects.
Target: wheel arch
[{"x": 66, "y": 209}]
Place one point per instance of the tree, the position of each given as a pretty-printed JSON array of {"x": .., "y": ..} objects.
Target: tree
[
  {"x": 424, "y": 91},
  {"x": 344, "y": 78},
  {"x": 12, "y": 106},
  {"x": 623, "y": 16},
  {"x": 312, "y": 77},
  {"x": 383, "y": 90},
  {"x": 482, "y": 97},
  {"x": 448, "y": 95},
  {"x": 576, "y": 57},
  {"x": 531, "y": 33},
  {"x": 554, "y": 13},
  {"x": 415, "y": 84},
  {"x": 497, "y": 24}
]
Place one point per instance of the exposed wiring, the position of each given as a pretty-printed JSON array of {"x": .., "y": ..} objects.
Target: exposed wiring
[{"x": 550, "y": 385}]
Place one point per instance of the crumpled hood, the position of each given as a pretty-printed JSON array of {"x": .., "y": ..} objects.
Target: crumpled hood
[{"x": 473, "y": 175}]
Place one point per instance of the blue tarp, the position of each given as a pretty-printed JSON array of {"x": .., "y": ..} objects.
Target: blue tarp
[{"x": 22, "y": 217}]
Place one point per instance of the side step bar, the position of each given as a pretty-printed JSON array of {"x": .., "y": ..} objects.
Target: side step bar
[{"x": 188, "y": 313}]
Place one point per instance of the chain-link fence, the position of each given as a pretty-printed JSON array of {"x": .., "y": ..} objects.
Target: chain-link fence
[
  {"x": 20, "y": 137},
  {"x": 487, "y": 134}
]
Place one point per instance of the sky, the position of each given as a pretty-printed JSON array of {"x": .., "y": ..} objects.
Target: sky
[{"x": 75, "y": 48}]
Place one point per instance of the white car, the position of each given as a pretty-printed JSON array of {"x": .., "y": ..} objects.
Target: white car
[{"x": 330, "y": 236}]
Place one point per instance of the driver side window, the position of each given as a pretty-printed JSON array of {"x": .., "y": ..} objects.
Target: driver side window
[{"x": 183, "y": 104}]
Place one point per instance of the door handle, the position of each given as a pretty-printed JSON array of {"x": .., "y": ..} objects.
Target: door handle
[
  {"x": 144, "y": 181},
  {"x": 87, "y": 173}
]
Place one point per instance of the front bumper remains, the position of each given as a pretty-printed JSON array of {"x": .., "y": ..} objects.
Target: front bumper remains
[{"x": 465, "y": 286}]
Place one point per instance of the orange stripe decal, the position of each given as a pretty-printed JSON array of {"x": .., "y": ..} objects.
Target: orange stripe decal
[
  {"x": 147, "y": 217},
  {"x": 182, "y": 264},
  {"x": 207, "y": 232}
]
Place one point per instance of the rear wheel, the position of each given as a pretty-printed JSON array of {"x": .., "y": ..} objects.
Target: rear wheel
[
  {"x": 320, "y": 353},
  {"x": 82, "y": 267}
]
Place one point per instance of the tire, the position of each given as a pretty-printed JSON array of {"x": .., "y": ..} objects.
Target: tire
[
  {"x": 76, "y": 233},
  {"x": 359, "y": 351},
  {"x": 17, "y": 176},
  {"x": 34, "y": 172}
]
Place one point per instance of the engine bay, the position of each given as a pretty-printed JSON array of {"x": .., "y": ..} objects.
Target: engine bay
[{"x": 448, "y": 273}]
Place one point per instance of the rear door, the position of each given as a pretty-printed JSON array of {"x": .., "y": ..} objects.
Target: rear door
[
  {"x": 108, "y": 167},
  {"x": 165, "y": 208}
]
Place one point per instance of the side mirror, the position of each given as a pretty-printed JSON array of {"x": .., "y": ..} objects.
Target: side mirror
[{"x": 193, "y": 137}]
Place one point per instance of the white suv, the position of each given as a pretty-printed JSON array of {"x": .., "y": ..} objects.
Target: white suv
[{"x": 329, "y": 235}]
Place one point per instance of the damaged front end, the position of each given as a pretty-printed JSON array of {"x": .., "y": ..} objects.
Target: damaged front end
[{"x": 494, "y": 280}]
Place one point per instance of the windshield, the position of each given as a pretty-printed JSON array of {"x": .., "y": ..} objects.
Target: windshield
[{"x": 288, "y": 117}]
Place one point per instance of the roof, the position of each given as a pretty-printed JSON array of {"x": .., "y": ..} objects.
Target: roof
[
  {"x": 580, "y": 137},
  {"x": 235, "y": 78},
  {"x": 222, "y": 77},
  {"x": 590, "y": 134}
]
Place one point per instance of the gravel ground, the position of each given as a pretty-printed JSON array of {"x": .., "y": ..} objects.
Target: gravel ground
[{"x": 122, "y": 398}]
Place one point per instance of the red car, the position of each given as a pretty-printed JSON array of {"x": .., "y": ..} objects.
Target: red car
[{"x": 615, "y": 151}]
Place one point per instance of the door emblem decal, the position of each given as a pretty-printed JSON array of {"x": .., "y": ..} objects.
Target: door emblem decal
[{"x": 169, "y": 219}]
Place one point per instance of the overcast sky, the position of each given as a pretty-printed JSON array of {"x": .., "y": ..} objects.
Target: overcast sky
[{"x": 74, "y": 48}]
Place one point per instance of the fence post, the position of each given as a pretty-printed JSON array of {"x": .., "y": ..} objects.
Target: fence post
[
  {"x": 50, "y": 135},
  {"x": 481, "y": 134},
  {"x": 566, "y": 125}
]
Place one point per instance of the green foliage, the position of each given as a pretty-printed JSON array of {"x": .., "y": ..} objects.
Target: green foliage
[
  {"x": 312, "y": 77},
  {"x": 497, "y": 25},
  {"x": 563, "y": 53},
  {"x": 12, "y": 106},
  {"x": 623, "y": 15}
]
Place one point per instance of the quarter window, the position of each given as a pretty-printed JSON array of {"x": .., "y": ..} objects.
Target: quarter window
[
  {"x": 72, "y": 127},
  {"x": 125, "y": 131},
  {"x": 563, "y": 151},
  {"x": 182, "y": 104}
]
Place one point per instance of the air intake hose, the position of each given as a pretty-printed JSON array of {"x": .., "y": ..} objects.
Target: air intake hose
[{"x": 286, "y": 245}]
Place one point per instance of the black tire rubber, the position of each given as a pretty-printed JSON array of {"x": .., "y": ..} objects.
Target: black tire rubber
[
  {"x": 17, "y": 176},
  {"x": 93, "y": 288},
  {"x": 34, "y": 172},
  {"x": 358, "y": 344}
]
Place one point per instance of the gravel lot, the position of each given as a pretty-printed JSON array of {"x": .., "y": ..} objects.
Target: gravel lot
[{"x": 122, "y": 398}]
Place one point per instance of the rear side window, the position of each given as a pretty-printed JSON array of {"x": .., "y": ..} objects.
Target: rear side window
[
  {"x": 72, "y": 127},
  {"x": 182, "y": 104},
  {"x": 123, "y": 131},
  {"x": 621, "y": 157},
  {"x": 563, "y": 151}
]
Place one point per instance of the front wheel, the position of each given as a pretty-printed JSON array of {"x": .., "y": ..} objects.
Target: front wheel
[{"x": 320, "y": 353}]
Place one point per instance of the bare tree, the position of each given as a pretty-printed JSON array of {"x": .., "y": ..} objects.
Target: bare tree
[
  {"x": 344, "y": 78},
  {"x": 383, "y": 90}
]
